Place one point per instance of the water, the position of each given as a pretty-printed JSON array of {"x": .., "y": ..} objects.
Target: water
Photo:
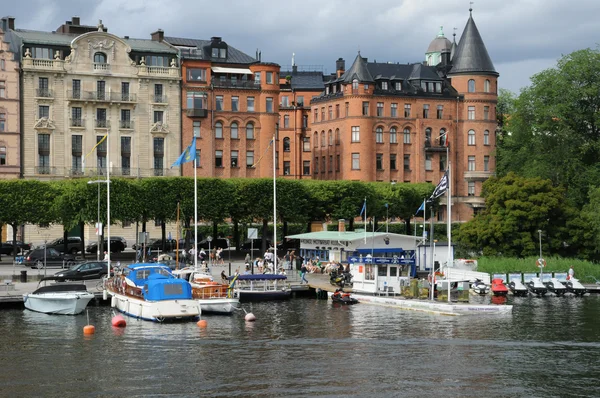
[{"x": 548, "y": 347}]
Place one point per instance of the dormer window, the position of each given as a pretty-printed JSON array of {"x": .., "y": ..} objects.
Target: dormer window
[
  {"x": 384, "y": 85},
  {"x": 215, "y": 53},
  {"x": 327, "y": 90},
  {"x": 99, "y": 58},
  {"x": 219, "y": 53},
  {"x": 398, "y": 86}
]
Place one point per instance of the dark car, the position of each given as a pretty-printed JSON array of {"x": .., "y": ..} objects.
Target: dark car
[
  {"x": 157, "y": 244},
  {"x": 116, "y": 245},
  {"x": 85, "y": 270},
  {"x": 73, "y": 245},
  {"x": 35, "y": 259},
  {"x": 218, "y": 242},
  {"x": 8, "y": 247}
]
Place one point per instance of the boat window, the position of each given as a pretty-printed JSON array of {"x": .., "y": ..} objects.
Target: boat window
[
  {"x": 382, "y": 270},
  {"x": 173, "y": 289},
  {"x": 164, "y": 272}
]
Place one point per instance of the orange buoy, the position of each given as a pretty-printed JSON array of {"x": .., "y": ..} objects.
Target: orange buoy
[
  {"x": 89, "y": 329},
  {"x": 250, "y": 317},
  {"x": 118, "y": 321},
  {"x": 202, "y": 323}
]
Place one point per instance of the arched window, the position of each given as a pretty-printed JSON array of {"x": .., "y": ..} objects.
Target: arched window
[
  {"x": 234, "y": 131},
  {"x": 379, "y": 135},
  {"x": 286, "y": 144},
  {"x": 249, "y": 131},
  {"x": 330, "y": 135},
  {"x": 355, "y": 84},
  {"x": 443, "y": 137},
  {"x": 471, "y": 140},
  {"x": 486, "y": 137},
  {"x": 471, "y": 86},
  {"x": 393, "y": 136},
  {"x": 99, "y": 58},
  {"x": 218, "y": 130},
  {"x": 316, "y": 139},
  {"x": 427, "y": 136},
  {"x": 337, "y": 136},
  {"x": 486, "y": 86},
  {"x": 407, "y": 136},
  {"x": 322, "y": 138}
]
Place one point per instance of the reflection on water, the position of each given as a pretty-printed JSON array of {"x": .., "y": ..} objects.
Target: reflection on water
[{"x": 310, "y": 347}]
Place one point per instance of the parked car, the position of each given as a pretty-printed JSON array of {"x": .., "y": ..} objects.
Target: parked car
[
  {"x": 116, "y": 245},
  {"x": 85, "y": 270},
  {"x": 73, "y": 245},
  {"x": 156, "y": 244},
  {"x": 8, "y": 247},
  {"x": 216, "y": 242},
  {"x": 35, "y": 258}
]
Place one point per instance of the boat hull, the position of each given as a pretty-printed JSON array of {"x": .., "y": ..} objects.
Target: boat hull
[
  {"x": 223, "y": 306},
  {"x": 180, "y": 310},
  {"x": 246, "y": 296},
  {"x": 58, "y": 303}
]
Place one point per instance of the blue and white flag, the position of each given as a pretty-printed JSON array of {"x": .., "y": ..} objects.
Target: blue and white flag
[
  {"x": 188, "y": 154},
  {"x": 421, "y": 208},
  {"x": 364, "y": 208}
]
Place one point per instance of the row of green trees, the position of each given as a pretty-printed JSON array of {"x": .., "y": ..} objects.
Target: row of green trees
[{"x": 75, "y": 202}]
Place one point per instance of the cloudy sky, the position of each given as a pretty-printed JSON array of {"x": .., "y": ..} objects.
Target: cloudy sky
[{"x": 523, "y": 37}]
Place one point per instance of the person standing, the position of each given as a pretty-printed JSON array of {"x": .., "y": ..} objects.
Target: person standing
[
  {"x": 303, "y": 271},
  {"x": 247, "y": 258},
  {"x": 571, "y": 273}
]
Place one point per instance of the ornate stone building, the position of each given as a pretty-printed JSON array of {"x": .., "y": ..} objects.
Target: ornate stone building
[{"x": 10, "y": 138}]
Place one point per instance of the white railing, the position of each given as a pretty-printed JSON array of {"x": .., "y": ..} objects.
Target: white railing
[
  {"x": 158, "y": 70},
  {"x": 43, "y": 63},
  {"x": 99, "y": 67}
]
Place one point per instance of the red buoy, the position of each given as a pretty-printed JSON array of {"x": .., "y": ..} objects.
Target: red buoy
[{"x": 118, "y": 321}]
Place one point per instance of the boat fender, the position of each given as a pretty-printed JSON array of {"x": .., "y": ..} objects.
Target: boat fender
[{"x": 113, "y": 301}]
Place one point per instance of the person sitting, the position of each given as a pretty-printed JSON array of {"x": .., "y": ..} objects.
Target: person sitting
[{"x": 224, "y": 276}]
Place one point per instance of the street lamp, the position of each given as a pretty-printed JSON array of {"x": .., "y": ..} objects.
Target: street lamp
[
  {"x": 540, "y": 260},
  {"x": 98, "y": 225}
]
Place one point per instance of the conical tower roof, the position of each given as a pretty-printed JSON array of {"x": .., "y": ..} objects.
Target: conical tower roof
[
  {"x": 471, "y": 56},
  {"x": 358, "y": 71}
]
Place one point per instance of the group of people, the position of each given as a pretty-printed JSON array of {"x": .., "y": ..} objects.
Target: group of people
[{"x": 215, "y": 256}]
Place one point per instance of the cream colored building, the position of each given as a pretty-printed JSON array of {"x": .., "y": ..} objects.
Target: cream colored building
[
  {"x": 10, "y": 155},
  {"x": 81, "y": 83}
]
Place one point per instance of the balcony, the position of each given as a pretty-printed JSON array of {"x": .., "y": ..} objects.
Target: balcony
[
  {"x": 44, "y": 93},
  {"x": 435, "y": 146},
  {"x": 101, "y": 67},
  {"x": 45, "y": 170},
  {"x": 159, "y": 99},
  {"x": 477, "y": 175},
  {"x": 126, "y": 124},
  {"x": 101, "y": 124},
  {"x": 159, "y": 71},
  {"x": 196, "y": 112},
  {"x": 76, "y": 172},
  {"x": 42, "y": 64},
  {"x": 236, "y": 83},
  {"x": 102, "y": 96},
  {"x": 77, "y": 122}
]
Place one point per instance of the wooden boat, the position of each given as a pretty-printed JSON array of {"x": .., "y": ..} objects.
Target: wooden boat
[
  {"x": 260, "y": 287},
  {"x": 151, "y": 292},
  {"x": 214, "y": 297},
  {"x": 58, "y": 298}
]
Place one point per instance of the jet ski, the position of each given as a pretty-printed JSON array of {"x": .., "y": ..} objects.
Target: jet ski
[
  {"x": 518, "y": 289},
  {"x": 499, "y": 288},
  {"x": 342, "y": 297},
  {"x": 536, "y": 286},
  {"x": 556, "y": 287},
  {"x": 478, "y": 287},
  {"x": 574, "y": 286}
]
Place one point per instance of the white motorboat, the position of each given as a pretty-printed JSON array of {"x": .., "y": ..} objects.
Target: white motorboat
[
  {"x": 58, "y": 298},
  {"x": 556, "y": 287},
  {"x": 574, "y": 286},
  {"x": 536, "y": 286},
  {"x": 518, "y": 288},
  {"x": 151, "y": 292},
  {"x": 214, "y": 297},
  {"x": 479, "y": 287}
]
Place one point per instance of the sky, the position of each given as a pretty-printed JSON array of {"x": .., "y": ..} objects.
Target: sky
[{"x": 523, "y": 37}]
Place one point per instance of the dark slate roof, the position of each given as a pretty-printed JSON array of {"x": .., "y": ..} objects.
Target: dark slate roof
[
  {"x": 65, "y": 39},
  {"x": 471, "y": 56},
  {"x": 403, "y": 71},
  {"x": 453, "y": 49},
  {"x": 439, "y": 44},
  {"x": 305, "y": 80},
  {"x": 358, "y": 71},
  {"x": 234, "y": 56}
]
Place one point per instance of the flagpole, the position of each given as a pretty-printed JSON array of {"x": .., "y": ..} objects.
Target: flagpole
[
  {"x": 195, "y": 211},
  {"x": 365, "y": 219},
  {"x": 274, "y": 208},
  {"x": 449, "y": 227}
]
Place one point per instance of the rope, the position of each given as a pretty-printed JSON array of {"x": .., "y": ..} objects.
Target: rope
[{"x": 263, "y": 155}]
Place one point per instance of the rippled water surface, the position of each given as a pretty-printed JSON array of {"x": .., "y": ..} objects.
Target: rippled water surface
[{"x": 548, "y": 347}]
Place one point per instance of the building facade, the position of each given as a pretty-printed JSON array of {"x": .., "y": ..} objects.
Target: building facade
[{"x": 10, "y": 126}]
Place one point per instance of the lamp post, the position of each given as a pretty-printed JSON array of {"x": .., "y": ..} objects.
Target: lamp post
[
  {"x": 540, "y": 260},
  {"x": 98, "y": 224}
]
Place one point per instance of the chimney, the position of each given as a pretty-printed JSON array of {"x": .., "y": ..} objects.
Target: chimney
[
  {"x": 294, "y": 69},
  {"x": 340, "y": 67},
  {"x": 158, "y": 36},
  {"x": 11, "y": 23},
  {"x": 341, "y": 225},
  {"x": 215, "y": 40},
  {"x": 75, "y": 21}
]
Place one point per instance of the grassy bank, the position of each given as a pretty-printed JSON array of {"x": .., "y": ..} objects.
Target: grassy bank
[{"x": 585, "y": 271}]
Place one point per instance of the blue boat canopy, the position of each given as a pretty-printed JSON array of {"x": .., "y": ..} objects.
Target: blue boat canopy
[
  {"x": 259, "y": 277},
  {"x": 157, "y": 282}
]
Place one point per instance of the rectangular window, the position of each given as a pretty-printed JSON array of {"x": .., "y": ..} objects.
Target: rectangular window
[
  {"x": 406, "y": 136},
  {"x": 43, "y": 111},
  {"x": 330, "y": 112},
  {"x": 235, "y": 104},
  {"x": 2, "y": 89},
  {"x": 337, "y": 163},
  {"x": 355, "y": 134},
  {"x": 440, "y": 111},
  {"x": 398, "y": 86},
  {"x": 126, "y": 156},
  {"x": 218, "y": 158},
  {"x": 365, "y": 108},
  {"x": 269, "y": 77},
  {"x": 394, "y": 110},
  {"x": 306, "y": 167},
  {"x": 486, "y": 113},
  {"x": 126, "y": 119},
  {"x": 406, "y": 162},
  {"x": 428, "y": 161},
  {"x": 196, "y": 100},
  {"x": 285, "y": 101},
  {"x": 486, "y": 163},
  {"x": 159, "y": 153},
  {"x": 41, "y": 53},
  {"x": 393, "y": 161},
  {"x": 198, "y": 152},
  {"x": 337, "y": 111},
  {"x": 250, "y": 104},
  {"x": 316, "y": 115},
  {"x": 379, "y": 161},
  {"x": 384, "y": 85},
  {"x": 486, "y": 137},
  {"x": 2, "y": 121},
  {"x": 323, "y": 114},
  {"x": 76, "y": 86},
  {"x": 406, "y": 110},
  {"x": 330, "y": 163},
  {"x": 286, "y": 121},
  {"x": 471, "y": 113},
  {"x": 125, "y": 91},
  {"x": 158, "y": 93},
  {"x": 196, "y": 74},
  {"x": 43, "y": 153},
  {"x": 158, "y": 116},
  {"x": 442, "y": 162},
  {"x": 101, "y": 153},
  {"x": 425, "y": 111},
  {"x": 43, "y": 87},
  {"x": 471, "y": 163},
  {"x": 76, "y": 117},
  {"x": 269, "y": 105},
  {"x": 101, "y": 118},
  {"x": 76, "y": 153},
  {"x": 316, "y": 163},
  {"x": 471, "y": 188},
  {"x": 2, "y": 64},
  {"x": 234, "y": 158},
  {"x": 323, "y": 165},
  {"x": 101, "y": 90},
  {"x": 306, "y": 144},
  {"x": 347, "y": 109},
  {"x": 286, "y": 167},
  {"x": 356, "y": 161},
  {"x": 250, "y": 159},
  {"x": 219, "y": 102},
  {"x": 196, "y": 128},
  {"x": 380, "y": 109}
]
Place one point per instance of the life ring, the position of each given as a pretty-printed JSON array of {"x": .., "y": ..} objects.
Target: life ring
[{"x": 540, "y": 262}]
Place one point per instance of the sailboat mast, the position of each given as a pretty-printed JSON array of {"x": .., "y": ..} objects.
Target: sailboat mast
[
  {"x": 449, "y": 227},
  {"x": 274, "y": 206},
  {"x": 195, "y": 217}
]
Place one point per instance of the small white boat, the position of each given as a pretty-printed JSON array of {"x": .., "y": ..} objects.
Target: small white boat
[
  {"x": 574, "y": 286},
  {"x": 518, "y": 288},
  {"x": 214, "y": 297},
  {"x": 536, "y": 286},
  {"x": 479, "y": 287},
  {"x": 260, "y": 287},
  {"x": 556, "y": 287},
  {"x": 58, "y": 298}
]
